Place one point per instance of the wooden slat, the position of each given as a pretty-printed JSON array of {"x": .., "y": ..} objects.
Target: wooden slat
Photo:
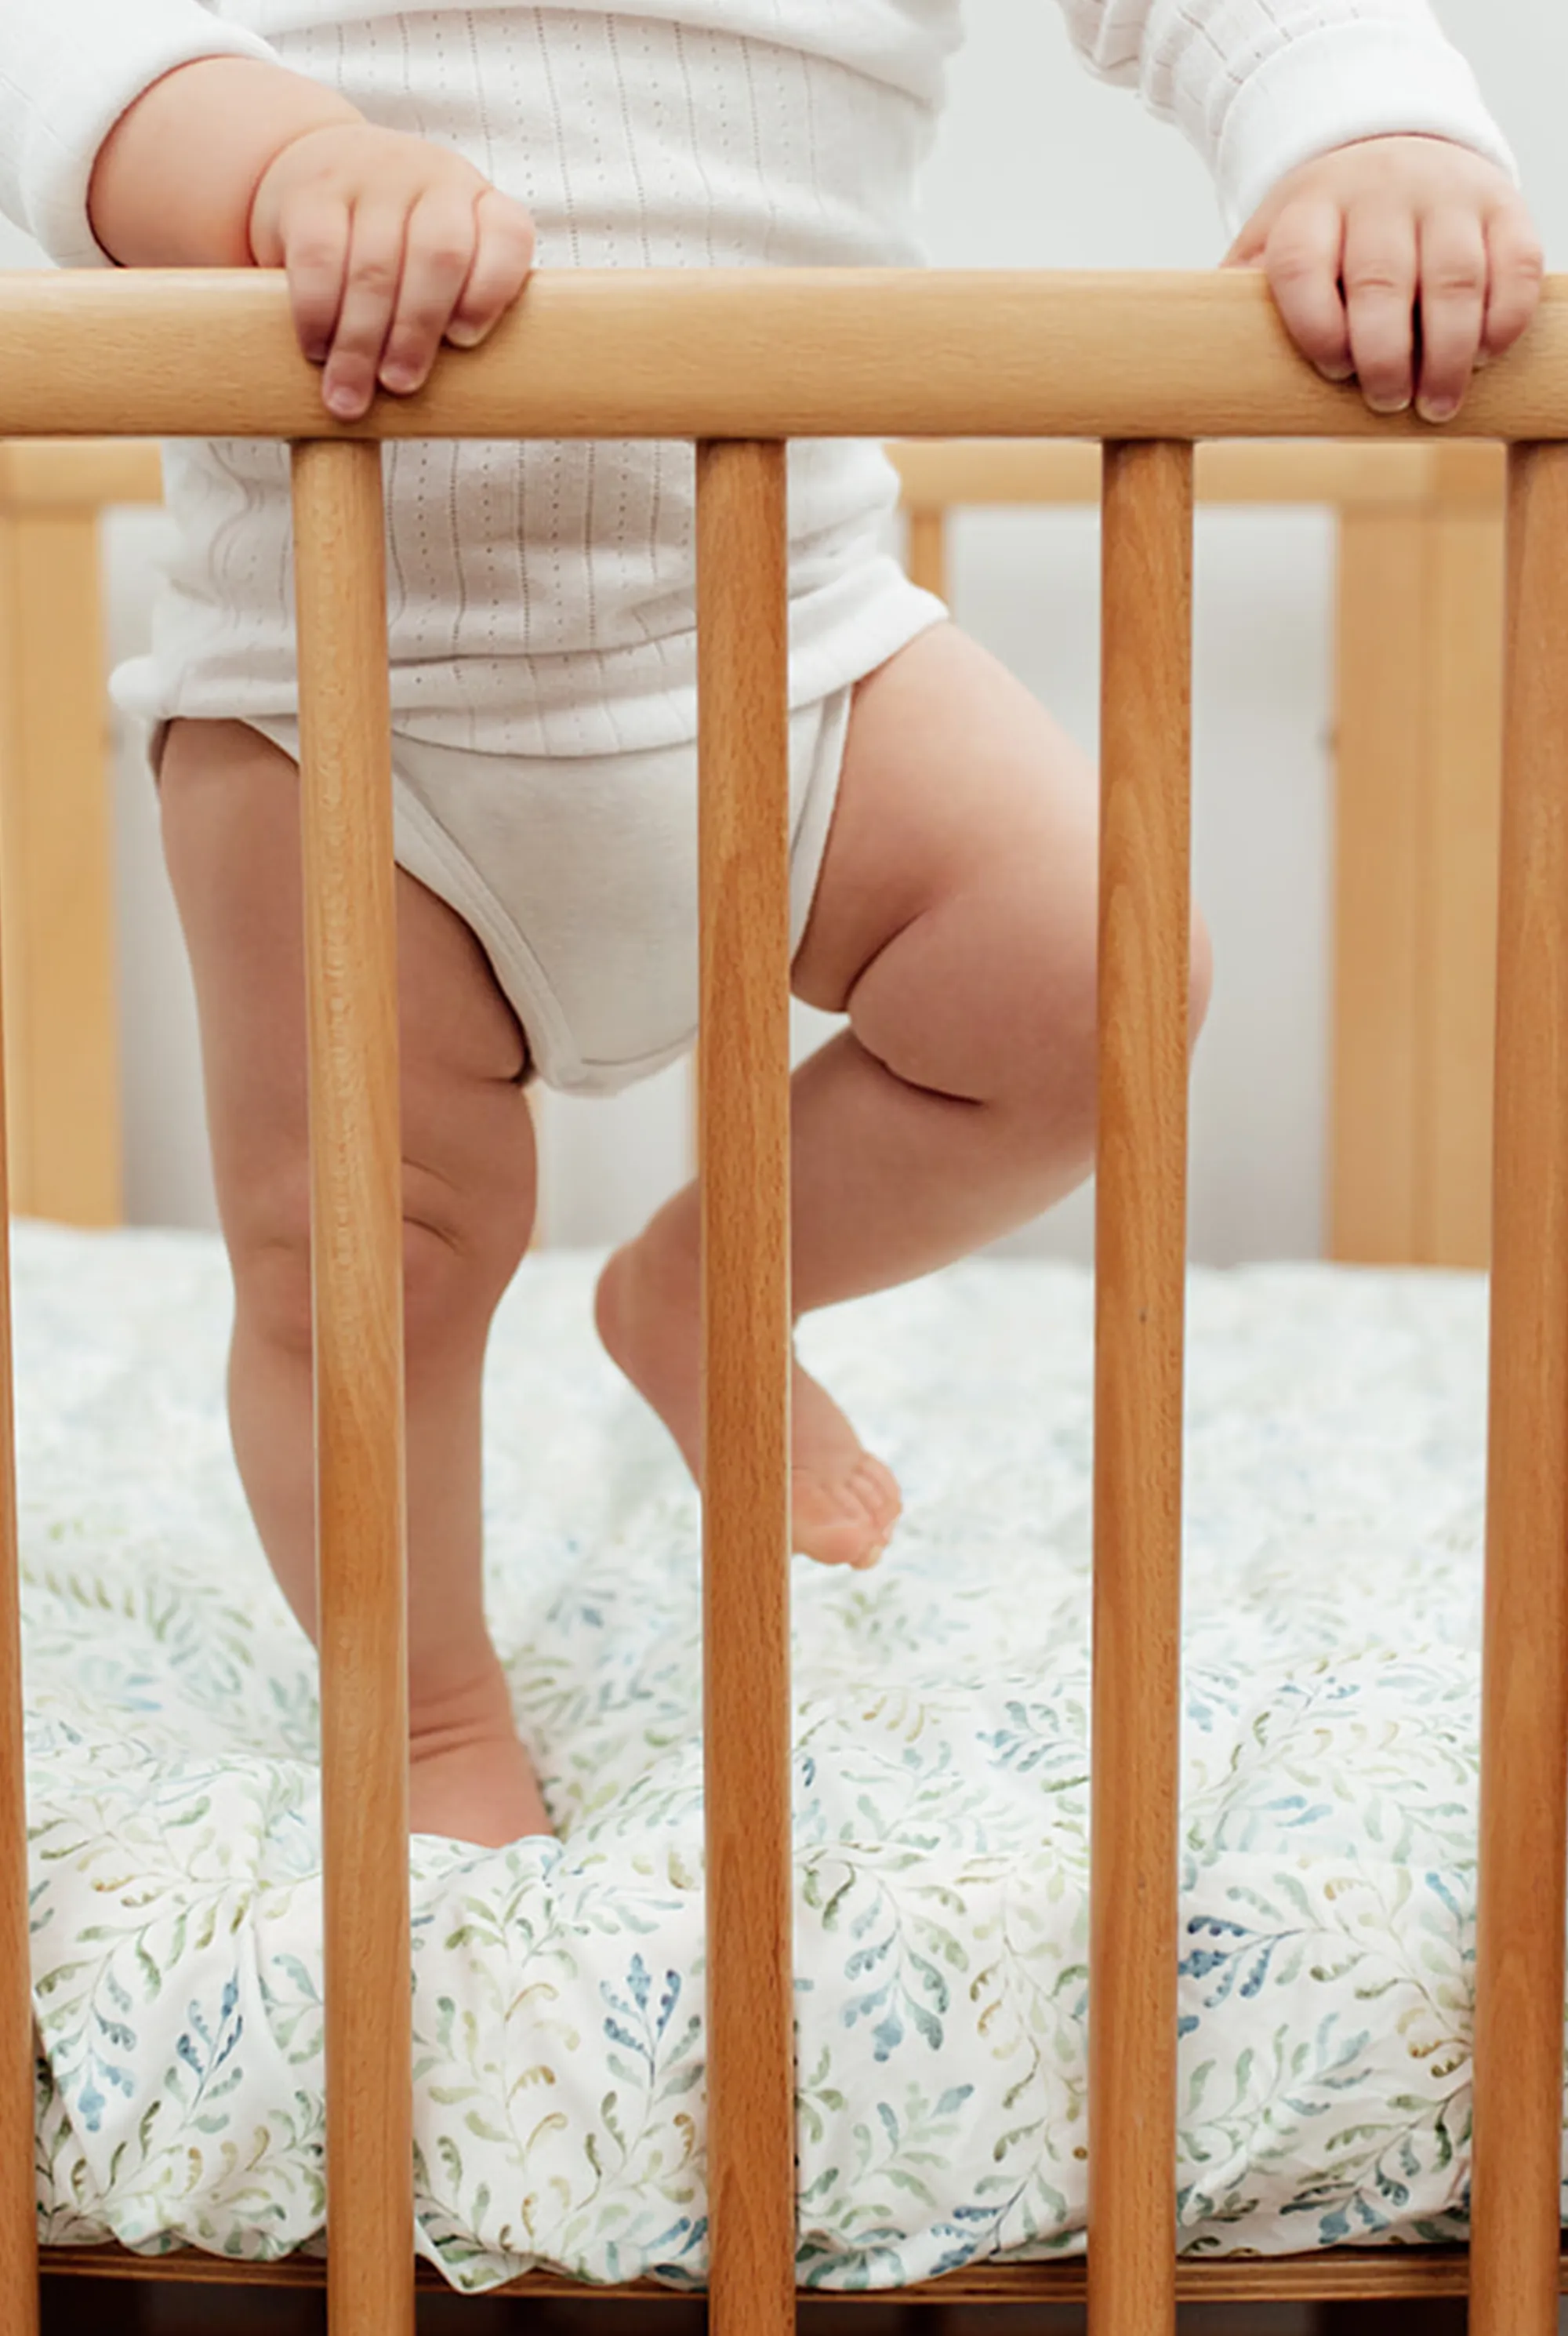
[
  {"x": 357, "y": 1255},
  {"x": 64, "y": 474},
  {"x": 1515, "y": 2181},
  {"x": 1140, "y": 1247},
  {"x": 56, "y": 890},
  {"x": 1379, "y": 776},
  {"x": 926, "y": 557},
  {"x": 1519, "y": 2013},
  {"x": 730, "y": 353},
  {"x": 18, "y": 2208},
  {"x": 1463, "y": 754},
  {"x": 744, "y": 1107}
]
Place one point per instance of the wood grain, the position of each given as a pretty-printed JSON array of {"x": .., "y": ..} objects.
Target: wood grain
[
  {"x": 56, "y": 888},
  {"x": 1380, "y": 777},
  {"x": 356, "y": 1261},
  {"x": 742, "y": 1067},
  {"x": 1461, "y": 803},
  {"x": 937, "y": 475},
  {"x": 1516, "y": 2180},
  {"x": 1140, "y": 1254},
  {"x": 18, "y": 2205},
  {"x": 730, "y": 353}
]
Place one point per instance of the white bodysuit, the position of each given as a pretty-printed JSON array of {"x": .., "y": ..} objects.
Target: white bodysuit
[{"x": 542, "y": 595}]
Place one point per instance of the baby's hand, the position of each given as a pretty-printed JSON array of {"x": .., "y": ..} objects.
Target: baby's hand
[
  {"x": 391, "y": 244},
  {"x": 1360, "y": 241}
]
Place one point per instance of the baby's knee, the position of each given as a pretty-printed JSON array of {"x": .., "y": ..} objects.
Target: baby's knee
[
  {"x": 453, "y": 1274},
  {"x": 1053, "y": 1085},
  {"x": 456, "y": 1266}
]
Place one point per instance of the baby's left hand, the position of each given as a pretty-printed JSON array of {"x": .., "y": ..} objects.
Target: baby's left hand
[{"x": 1360, "y": 241}]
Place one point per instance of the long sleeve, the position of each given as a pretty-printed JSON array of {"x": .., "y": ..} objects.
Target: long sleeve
[
  {"x": 1261, "y": 86},
  {"x": 68, "y": 70}
]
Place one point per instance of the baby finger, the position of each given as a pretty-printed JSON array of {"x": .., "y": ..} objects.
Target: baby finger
[
  {"x": 502, "y": 258},
  {"x": 1379, "y": 275},
  {"x": 1453, "y": 302},
  {"x": 438, "y": 254},
  {"x": 369, "y": 298}
]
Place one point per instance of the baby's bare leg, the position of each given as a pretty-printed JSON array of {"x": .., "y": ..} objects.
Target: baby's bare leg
[
  {"x": 232, "y": 836},
  {"x": 955, "y": 923}
]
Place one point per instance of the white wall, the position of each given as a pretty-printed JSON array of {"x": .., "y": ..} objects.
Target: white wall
[{"x": 1036, "y": 166}]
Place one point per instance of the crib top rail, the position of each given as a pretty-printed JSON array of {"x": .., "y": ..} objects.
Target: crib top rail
[{"x": 787, "y": 353}]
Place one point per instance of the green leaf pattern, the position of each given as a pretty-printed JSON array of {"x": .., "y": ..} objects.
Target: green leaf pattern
[{"x": 1334, "y": 1491}]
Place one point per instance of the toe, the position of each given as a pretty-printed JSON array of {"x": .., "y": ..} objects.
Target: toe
[
  {"x": 845, "y": 1521},
  {"x": 878, "y": 1491}
]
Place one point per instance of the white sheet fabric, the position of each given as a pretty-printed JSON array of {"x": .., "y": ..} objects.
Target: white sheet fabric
[{"x": 1334, "y": 1506}]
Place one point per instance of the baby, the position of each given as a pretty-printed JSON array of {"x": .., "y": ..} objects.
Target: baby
[{"x": 399, "y": 164}]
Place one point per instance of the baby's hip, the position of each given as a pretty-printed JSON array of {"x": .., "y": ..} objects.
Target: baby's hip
[{"x": 577, "y": 874}]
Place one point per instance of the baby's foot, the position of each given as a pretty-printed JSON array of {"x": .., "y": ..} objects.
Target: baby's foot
[
  {"x": 468, "y": 1775},
  {"x": 844, "y": 1503}
]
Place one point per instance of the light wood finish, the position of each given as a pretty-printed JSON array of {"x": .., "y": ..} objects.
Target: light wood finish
[
  {"x": 62, "y": 474},
  {"x": 1380, "y": 773},
  {"x": 1420, "y": 739},
  {"x": 55, "y": 884},
  {"x": 725, "y": 352},
  {"x": 1140, "y": 1286},
  {"x": 1516, "y": 2180},
  {"x": 941, "y": 477},
  {"x": 56, "y": 894},
  {"x": 356, "y": 1259},
  {"x": 18, "y": 2152},
  {"x": 807, "y": 353},
  {"x": 743, "y": 1069},
  {"x": 1461, "y": 803},
  {"x": 926, "y": 557}
]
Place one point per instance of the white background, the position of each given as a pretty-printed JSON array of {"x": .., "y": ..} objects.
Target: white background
[{"x": 1036, "y": 165}]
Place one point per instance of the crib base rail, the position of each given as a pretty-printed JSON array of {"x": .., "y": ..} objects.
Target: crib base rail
[{"x": 1341, "y": 2275}]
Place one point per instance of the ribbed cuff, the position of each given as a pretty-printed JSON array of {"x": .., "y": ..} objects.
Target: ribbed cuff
[
  {"x": 69, "y": 121},
  {"x": 1361, "y": 79}
]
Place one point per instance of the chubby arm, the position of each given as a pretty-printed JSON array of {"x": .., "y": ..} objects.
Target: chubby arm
[
  {"x": 68, "y": 70},
  {"x": 155, "y": 135},
  {"x": 390, "y": 243},
  {"x": 1356, "y": 164}
]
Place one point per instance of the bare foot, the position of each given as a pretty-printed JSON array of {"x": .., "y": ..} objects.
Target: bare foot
[
  {"x": 647, "y": 1308},
  {"x": 468, "y": 1775}
]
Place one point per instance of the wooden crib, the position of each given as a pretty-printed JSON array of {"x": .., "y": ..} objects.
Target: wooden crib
[{"x": 1148, "y": 367}]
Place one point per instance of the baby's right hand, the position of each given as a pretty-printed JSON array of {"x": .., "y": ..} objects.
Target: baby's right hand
[{"x": 391, "y": 244}]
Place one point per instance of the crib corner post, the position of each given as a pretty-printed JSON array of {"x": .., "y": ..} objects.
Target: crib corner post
[{"x": 1516, "y": 2173}]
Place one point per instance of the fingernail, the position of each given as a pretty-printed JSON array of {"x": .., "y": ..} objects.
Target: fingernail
[
  {"x": 1388, "y": 405},
  {"x": 1338, "y": 373},
  {"x": 399, "y": 376},
  {"x": 466, "y": 337},
  {"x": 1437, "y": 409},
  {"x": 342, "y": 401}
]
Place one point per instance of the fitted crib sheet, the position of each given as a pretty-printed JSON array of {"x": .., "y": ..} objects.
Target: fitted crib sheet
[{"x": 940, "y": 1780}]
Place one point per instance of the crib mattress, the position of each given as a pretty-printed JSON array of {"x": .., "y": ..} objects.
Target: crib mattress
[{"x": 1334, "y": 1499}]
